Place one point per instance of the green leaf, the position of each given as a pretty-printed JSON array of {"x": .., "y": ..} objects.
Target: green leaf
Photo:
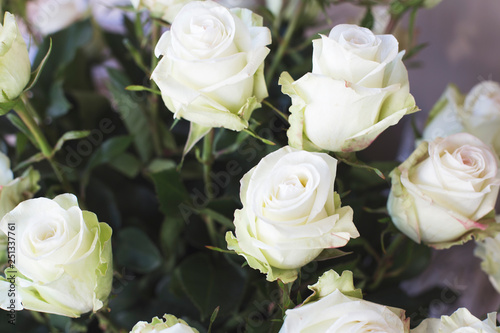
[
  {"x": 106, "y": 153},
  {"x": 368, "y": 20},
  {"x": 19, "y": 124},
  {"x": 68, "y": 136},
  {"x": 5, "y": 107},
  {"x": 36, "y": 74},
  {"x": 327, "y": 254},
  {"x": 109, "y": 150},
  {"x": 217, "y": 217},
  {"x": 171, "y": 192},
  {"x": 142, "y": 88},
  {"x": 67, "y": 43},
  {"x": 255, "y": 135},
  {"x": 136, "y": 55},
  {"x": 212, "y": 318},
  {"x": 127, "y": 164},
  {"x": 210, "y": 284},
  {"x": 170, "y": 232},
  {"x": 135, "y": 251},
  {"x": 59, "y": 105},
  {"x": 132, "y": 113},
  {"x": 352, "y": 160},
  {"x": 196, "y": 133},
  {"x": 33, "y": 159},
  {"x": 218, "y": 249}
]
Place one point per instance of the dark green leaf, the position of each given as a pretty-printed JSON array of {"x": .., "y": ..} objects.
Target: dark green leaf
[
  {"x": 132, "y": 113},
  {"x": 106, "y": 153},
  {"x": 172, "y": 194},
  {"x": 68, "y": 136},
  {"x": 59, "y": 105},
  {"x": 135, "y": 251},
  {"x": 327, "y": 254},
  {"x": 255, "y": 135},
  {"x": 209, "y": 285},
  {"x": 17, "y": 122},
  {"x": 36, "y": 74},
  {"x": 126, "y": 164}
]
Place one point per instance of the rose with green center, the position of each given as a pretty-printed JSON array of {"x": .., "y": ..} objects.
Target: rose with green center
[{"x": 62, "y": 257}]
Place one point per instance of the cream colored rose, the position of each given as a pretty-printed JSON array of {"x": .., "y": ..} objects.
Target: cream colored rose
[
  {"x": 62, "y": 256},
  {"x": 211, "y": 70},
  {"x": 358, "y": 88},
  {"x": 338, "y": 307},
  {"x": 14, "y": 190},
  {"x": 441, "y": 194},
  {"x": 164, "y": 9},
  {"x": 489, "y": 252},
  {"x": 290, "y": 213},
  {"x": 477, "y": 113},
  {"x": 50, "y": 16},
  {"x": 461, "y": 321},
  {"x": 157, "y": 325},
  {"x": 15, "y": 67}
]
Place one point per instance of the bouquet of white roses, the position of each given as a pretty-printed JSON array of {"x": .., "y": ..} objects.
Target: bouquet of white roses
[{"x": 205, "y": 166}]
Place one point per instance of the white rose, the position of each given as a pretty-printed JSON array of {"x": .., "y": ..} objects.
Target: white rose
[
  {"x": 211, "y": 72},
  {"x": 461, "y": 321},
  {"x": 489, "y": 252},
  {"x": 170, "y": 325},
  {"x": 290, "y": 213},
  {"x": 13, "y": 191},
  {"x": 50, "y": 16},
  {"x": 442, "y": 192},
  {"x": 62, "y": 257},
  {"x": 342, "y": 314},
  {"x": 15, "y": 67},
  {"x": 477, "y": 113},
  {"x": 336, "y": 306},
  {"x": 358, "y": 88},
  {"x": 6, "y": 174},
  {"x": 164, "y": 9}
]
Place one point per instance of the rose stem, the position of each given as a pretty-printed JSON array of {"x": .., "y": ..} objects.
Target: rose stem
[
  {"x": 45, "y": 148},
  {"x": 386, "y": 262},
  {"x": 153, "y": 98},
  {"x": 284, "y": 44},
  {"x": 208, "y": 159}
]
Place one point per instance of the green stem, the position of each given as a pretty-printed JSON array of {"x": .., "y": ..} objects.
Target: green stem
[
  {"x": 208, "y": 159},
  {"x": 284, "y": 44},
  {"x": 33, "y": 127},
  {"x": 46, "y": 149},
  {"x": 275, "y": 109},
  {"x": 385, "y": 264},
  {"x": 153, "y": 98}
]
